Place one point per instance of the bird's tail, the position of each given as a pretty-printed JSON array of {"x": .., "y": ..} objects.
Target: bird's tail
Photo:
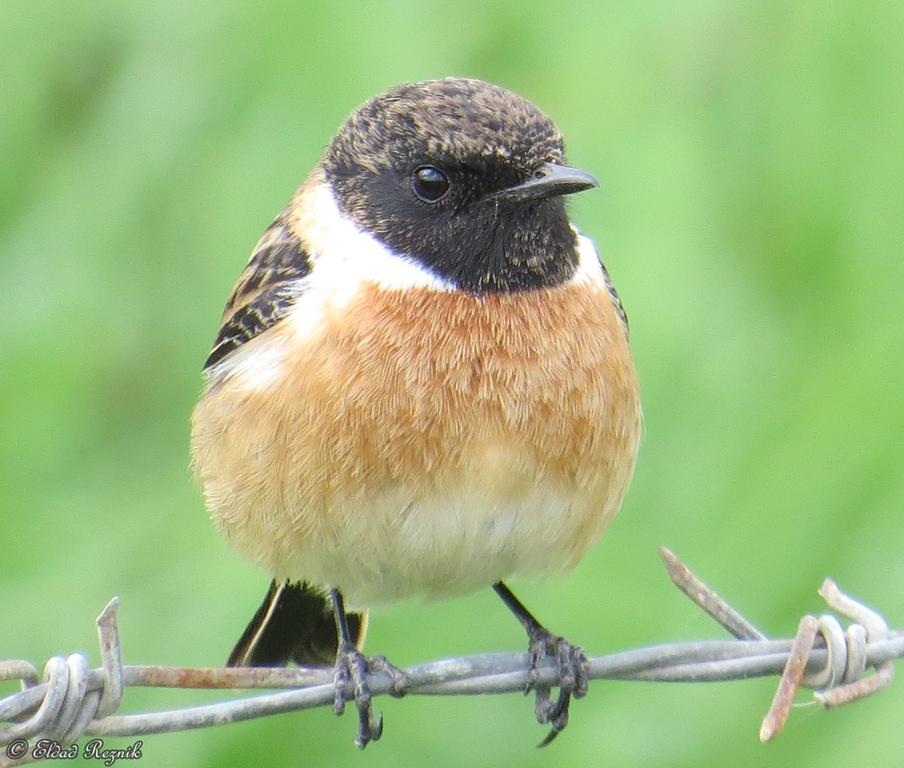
[{"x": 295, "y": 623}]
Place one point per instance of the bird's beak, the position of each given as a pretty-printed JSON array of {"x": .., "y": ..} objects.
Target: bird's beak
[{"x": 548, "y": 180}]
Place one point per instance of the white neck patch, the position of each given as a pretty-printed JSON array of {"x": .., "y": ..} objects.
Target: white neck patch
[
  {"x": 345, "y": 258},
  {"x": 590, "y": 268}
]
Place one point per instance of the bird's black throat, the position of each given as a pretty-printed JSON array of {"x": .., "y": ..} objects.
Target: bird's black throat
[{"x": 478, "y": 244}]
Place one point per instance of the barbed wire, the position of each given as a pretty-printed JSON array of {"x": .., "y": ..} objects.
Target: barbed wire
[{"x": 70, "y": 700}]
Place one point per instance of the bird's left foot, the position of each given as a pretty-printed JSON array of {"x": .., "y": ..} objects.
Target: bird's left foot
[{"x": 572, "y": 666}]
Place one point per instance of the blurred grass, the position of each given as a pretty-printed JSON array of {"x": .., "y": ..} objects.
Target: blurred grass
[{"x": 751, "y": 215}]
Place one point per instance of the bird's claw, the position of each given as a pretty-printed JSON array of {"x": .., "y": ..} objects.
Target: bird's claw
[
  {"x": 400, "y": 681},
  {"x": 350, "y": 679},
  {"x": 572, "y": 667}
]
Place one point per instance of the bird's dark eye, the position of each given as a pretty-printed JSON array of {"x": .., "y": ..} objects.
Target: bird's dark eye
[{"x": 430, "y": 184}]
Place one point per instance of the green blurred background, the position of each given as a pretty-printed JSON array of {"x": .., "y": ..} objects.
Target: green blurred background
[{"x": 752, "y": 161}]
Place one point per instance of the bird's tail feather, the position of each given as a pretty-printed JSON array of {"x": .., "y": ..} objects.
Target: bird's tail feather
[{"x": 295, "y": 623}]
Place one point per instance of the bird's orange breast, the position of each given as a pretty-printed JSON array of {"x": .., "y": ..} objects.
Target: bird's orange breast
[{"x": 418, "y": 425}]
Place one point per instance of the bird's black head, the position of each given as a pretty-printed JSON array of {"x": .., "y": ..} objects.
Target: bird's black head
[{"x": 465, "y": 177}]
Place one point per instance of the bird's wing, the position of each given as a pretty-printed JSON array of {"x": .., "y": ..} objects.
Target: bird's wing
[
  {"x": 616, "y": 299},
  {"x": 266, "y": 290}
]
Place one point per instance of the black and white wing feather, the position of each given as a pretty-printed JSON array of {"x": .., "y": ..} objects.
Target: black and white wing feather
[{"x": 266, "y": 290}]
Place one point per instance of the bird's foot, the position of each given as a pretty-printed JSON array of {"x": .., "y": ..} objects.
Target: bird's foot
[
  {"x": 350, "y": 678},
  {"x": 572, "y": 667}
]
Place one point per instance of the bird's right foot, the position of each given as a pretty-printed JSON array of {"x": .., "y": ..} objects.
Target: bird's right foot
[{"x": 350, "y": 678}]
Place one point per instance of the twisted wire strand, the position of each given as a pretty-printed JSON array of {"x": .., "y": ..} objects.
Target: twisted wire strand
[{"x": 70, "y": 700}]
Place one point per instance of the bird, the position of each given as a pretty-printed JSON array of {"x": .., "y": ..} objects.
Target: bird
[{"x": 422, "y": 386}]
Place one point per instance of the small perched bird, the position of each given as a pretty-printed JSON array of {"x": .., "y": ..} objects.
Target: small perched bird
[{"x": 421, "y": 384}]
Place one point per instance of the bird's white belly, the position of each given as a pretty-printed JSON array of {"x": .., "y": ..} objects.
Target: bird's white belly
[{"x": 439, "y": 547}]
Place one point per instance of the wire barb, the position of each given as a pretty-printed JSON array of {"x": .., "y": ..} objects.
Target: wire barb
[
  {"x": 707, "y": 599},
  {"x": 870, "y": 627},
  {"x": 792, "y": 676},
  {"x": 70, "y": 700}
]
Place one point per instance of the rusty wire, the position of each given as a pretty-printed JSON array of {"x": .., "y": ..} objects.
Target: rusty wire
[{"x": 70, "y": 700}]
